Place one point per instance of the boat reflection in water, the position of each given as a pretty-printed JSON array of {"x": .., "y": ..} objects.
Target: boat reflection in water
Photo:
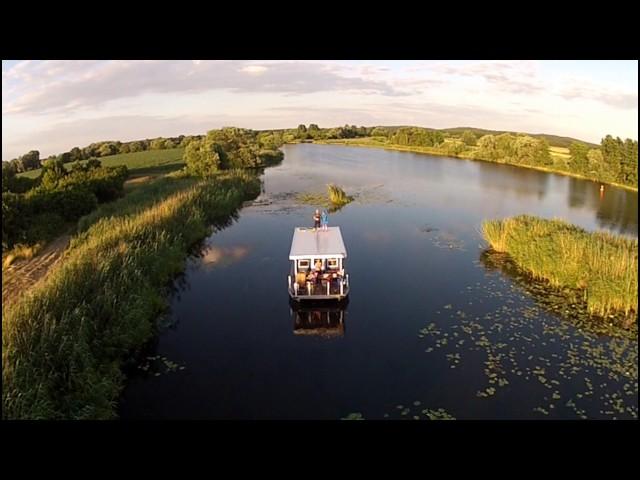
[{"x": 321, "y": 320}]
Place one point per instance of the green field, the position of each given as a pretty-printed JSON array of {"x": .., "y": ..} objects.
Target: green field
[{"x": 139, "y": 163}]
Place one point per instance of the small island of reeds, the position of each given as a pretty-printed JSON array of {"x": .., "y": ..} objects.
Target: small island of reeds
[
  {"x": 336, "y": 198},
  {"x": 603, "y": 266}
]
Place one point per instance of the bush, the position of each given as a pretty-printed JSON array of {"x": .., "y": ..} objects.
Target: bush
[
  {"x": 71, "y": 202},
  {"x": 43, "y": 227},
  {"x": 41, "y": 212},
  {"x": 15, "y": 213}
]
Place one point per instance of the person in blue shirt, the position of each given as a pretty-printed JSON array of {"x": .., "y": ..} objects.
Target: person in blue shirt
[{"x": 325, "y": 219}]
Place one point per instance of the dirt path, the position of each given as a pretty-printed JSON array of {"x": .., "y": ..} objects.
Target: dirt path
[{"x": 23, "y": 274}]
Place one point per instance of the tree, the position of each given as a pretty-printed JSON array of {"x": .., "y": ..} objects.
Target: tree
[
  {"x": 75, "y": 154},
  {"x": 30, "y": 161},
  {"x": 314, "y": 131},
  {"x": 169, "y": 143},
  {"x": 8, "y": 175},
  {"x": 302, "y": 133},
  {"x": 136, "y": 147},
  {"x": 157, "y": 144},
  {"x": 379, "y": 132},
  {"x": 469, "y": 138},
  {"x": 579, "y": 161},
  {"x": 93, "y": 163},
  {"x": 65, "y": 157},
  {"x": 52, "y": 172},
  {"x": 204, "y": 157},
  {"x": 106, "y": 149}
]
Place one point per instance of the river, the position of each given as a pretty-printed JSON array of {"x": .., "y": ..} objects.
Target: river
[{"x": 435, "y": 327}]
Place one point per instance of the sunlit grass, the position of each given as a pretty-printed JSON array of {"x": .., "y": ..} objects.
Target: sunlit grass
[
  {"x": 337, "y": 196},
  {"x": 20, "y": 252},
  {"x": 601, "y": 265},
  {"x": 64, "y": 343}
]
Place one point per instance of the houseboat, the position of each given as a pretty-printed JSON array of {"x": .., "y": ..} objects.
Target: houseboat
[{"x": 317, "y": 266}]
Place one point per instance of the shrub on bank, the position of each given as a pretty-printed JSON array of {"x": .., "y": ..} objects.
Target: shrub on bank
[{"x": 60, "y": 196}]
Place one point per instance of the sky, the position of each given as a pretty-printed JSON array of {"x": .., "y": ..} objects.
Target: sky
[{"x": 55, "y": 105}]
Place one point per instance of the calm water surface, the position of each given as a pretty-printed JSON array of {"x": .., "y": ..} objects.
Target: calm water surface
[{"x": 434, "y": 326}]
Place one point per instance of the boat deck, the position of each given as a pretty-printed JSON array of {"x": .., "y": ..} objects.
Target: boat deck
[{"x": 318, "y": 290}]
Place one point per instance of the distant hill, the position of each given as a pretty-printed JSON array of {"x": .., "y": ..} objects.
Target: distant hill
[{"x": 554, "y": 140}]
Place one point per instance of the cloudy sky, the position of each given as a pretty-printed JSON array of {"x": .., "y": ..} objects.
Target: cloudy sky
[{"x": 53, "y": 106}]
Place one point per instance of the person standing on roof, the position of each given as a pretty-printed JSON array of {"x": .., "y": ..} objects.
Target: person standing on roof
[
  {"x": 325, "y": 220},
  {"x": 316, "y": 220}
]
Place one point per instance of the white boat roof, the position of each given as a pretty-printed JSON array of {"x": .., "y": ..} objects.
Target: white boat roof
[{"x": 308, "y": 243}]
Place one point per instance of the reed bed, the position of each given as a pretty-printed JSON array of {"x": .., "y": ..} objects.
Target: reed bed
[
  {"x": 63, "y": 344},
  {"x": 603, "y": 266},
  {"x": 337, "y": 196}
]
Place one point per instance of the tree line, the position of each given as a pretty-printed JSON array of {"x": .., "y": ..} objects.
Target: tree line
[
  {"x": 232, "y": 147},
  {"x": 615, "y": 161},
  {"x": 32, "y": 161}
]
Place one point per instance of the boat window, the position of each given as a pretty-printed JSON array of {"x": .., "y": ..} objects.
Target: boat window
[
  {"x": 303, "y": 264},
  {"x": 332, "y": 263}
]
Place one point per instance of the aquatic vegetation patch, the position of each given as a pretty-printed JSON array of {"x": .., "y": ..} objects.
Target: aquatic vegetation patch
[
  {"x": 335, "y": 199},
  {"x": 415, "y": 411},
  {"x": 540, "y": 345},
  {"x": 601, "y": 266},
  {"x": 353, "y": 416},
  {"x": 157, "y": 365}
]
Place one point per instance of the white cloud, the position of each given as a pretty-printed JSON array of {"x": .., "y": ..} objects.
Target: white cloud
[
  {"x": 254, "y": 69},
  {"x": 92, "y": 85},
  {"x": 55, "y": 105}
]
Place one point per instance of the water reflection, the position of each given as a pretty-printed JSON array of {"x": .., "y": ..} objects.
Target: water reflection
[
  {"x": 523, "y": 182},
  {"x": 223, "y": 256},
  {"x": 325, "y": 321},
  {"x": 616, "y": 209}
]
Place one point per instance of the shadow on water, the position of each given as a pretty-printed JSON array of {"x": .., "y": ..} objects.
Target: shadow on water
[{"x": 566, "y": 303}]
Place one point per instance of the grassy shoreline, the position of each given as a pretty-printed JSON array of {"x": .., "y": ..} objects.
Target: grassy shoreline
[
  {"x": 436, "y": 152},
  {"x": 600, "y": 265},
  {"x": 65, "y": 342}
]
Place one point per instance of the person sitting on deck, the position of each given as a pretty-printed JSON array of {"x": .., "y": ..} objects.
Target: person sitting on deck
[
  {"x": 316, "y": 220},
  {"x": 318, "y": 271}
]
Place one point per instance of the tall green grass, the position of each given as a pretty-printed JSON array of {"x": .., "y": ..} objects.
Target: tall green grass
[
  {"x": 337, "y": 196},
  {"x": 601, "y": 265},
  {"x": 63, "y": 345}
]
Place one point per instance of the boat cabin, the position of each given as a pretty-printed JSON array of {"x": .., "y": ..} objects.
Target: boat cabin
[{"x": 317, "y": 265}]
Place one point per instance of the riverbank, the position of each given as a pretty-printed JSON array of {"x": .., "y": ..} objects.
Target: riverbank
[
  {"x": 465, "y": 156},
  {"x": 64, "y": 344},
  {"x": 602, "y": 266}
]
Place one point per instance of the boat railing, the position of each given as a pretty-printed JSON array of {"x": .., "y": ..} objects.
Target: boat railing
[{"x": 343, "y": 282}]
